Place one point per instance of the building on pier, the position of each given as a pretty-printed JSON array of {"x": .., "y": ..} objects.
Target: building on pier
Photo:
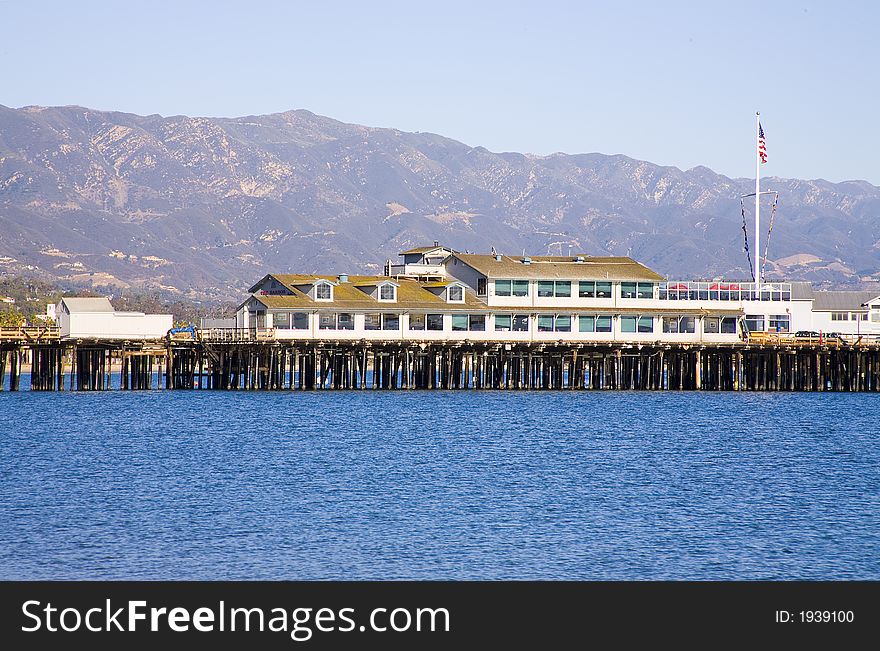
[
  {"x": 851, "y": 313},
  {"x": 95, "y": 318},
  {"x": 438, "y": 293}
]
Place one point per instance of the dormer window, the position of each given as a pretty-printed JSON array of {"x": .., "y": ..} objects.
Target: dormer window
[
  {"x": 455, "y": 294},
  {"x": 323, "y": 291},
  {"x": 387, "y": 292}
]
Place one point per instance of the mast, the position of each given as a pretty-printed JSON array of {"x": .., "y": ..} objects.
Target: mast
[{"x": 758, "y": 203}]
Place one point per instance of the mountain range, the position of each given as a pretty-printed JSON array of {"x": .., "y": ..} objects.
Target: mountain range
[{"x": 203, "y": 207}]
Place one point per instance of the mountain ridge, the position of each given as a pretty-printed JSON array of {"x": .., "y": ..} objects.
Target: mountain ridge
[{"x": 202, "y": 206}]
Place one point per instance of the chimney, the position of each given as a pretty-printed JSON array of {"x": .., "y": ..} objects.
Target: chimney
[
  {"x": 579, "y": 258},
  {"x": 497, "y": 257},
  {"x": 436, "y": 242},
  {"x": 527, "y": 260},
  {"x": 343, "y": 278}
]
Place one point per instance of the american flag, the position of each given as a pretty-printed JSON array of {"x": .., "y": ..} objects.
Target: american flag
[{"x": 762, "y": 146}]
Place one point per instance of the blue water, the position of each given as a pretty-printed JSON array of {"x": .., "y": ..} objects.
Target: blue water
[{"x": 476, "y": 485}]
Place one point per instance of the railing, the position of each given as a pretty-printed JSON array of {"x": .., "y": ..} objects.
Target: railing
[
  {"x": 29, "y": 333},
  {"x": 723, "y": 291},
  {"x": 813, "y": 339},
  {"x": 415, "y": 269},
  {"x": 234, "y": 335}
]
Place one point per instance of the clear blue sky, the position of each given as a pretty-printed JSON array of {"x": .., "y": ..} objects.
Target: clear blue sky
[{"x": 676, "y": 83}]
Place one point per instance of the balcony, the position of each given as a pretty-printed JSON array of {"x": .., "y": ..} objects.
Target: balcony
[{"x": 717, "y": 290}]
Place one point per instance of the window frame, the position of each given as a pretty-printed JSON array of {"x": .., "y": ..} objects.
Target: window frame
[
  {"x": 319, "y": 287},
  {"x": 449, "y": 289},
  {"x": 393, "y": 289}
]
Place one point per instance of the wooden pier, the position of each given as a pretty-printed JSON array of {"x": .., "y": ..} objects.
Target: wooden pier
[{"x": 251, "y": 360}]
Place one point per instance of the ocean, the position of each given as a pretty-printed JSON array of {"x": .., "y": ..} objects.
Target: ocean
[{"x": 439, "y": 485}]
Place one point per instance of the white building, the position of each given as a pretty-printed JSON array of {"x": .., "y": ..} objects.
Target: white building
[
  {"x": 439, "y": 294},
  {"x": 849, "y": 313},
  {"x": 95, "y": 318}
]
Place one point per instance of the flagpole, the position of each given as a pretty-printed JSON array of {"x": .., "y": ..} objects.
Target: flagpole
[{"x": 757, "y": 203}]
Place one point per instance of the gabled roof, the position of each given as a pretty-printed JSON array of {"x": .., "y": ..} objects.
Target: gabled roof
[
  {"x": 829, "y": 301},
  {"x": 562, "y": 267},
  {"x": 435, "y": 284},
  {"x": 77, "y": 304},
  {"x": 410, "y": 295},
  {"x": 376, "y": 282},
  {"x": 801, "y": 290},
  {"x": 426, "y": 249}
]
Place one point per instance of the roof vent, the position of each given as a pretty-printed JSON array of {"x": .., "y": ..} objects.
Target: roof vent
[
  {"x": 343, "y": 278},
  {"x": 580, "y": 258},
  {"x": 498, "y": 257},
  {"x": 526, "y": 260},
  {"x": 436, "y": 242}
]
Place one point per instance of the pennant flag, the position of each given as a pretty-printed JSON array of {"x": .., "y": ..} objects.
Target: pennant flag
[{"x": 762, "y": 145}]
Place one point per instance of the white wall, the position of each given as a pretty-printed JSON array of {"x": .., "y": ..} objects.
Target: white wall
[
  {"x": 115, "y": 325},
  {"x": 490, "y": 334},
  {"x": 822, "y": 323}
]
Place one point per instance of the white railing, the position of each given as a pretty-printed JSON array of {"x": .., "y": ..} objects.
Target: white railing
[{"x": 720, "y": 290}]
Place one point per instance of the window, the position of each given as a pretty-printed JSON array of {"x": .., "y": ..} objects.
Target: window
[
  {"x": 387, "y": 292},
  {"x": 586, "y": 289},
  {"x": 859, "y": 317},
  {"x": 554, "y": 323},
  {"x": 603, "y": 289},
  {"x": 520, "y": 287},
  {"x": 520, "y": 322},
  {"x": 780, "y": 323},
  {"x": 755, "y": 322},
  {"x": 345, "y": 321},
  {"x": 545, "y": 288},
  {"x": 503, "y": 287},
  {"x": 586, "y": 324},
  {"x": 390, "y": 322},
  {"x": 840, "y": 316},
  {"x": 300, "y": 321},
  {"x": 417, "y": 321},
  {"x": 557, "y": 288},
  {"x": 728, "y": 325},
  {"x": 603, "y": 324},
  {"x": 636, "y": 324},
  {"x": 481, "y": 287},
  {"x": 711, "y": 325},
  {"x": 683, "y": 324},
  {"x": 323, "y": 292},
  {"x": 472, "y": 322},
  {"x": 327, "y": 322},
  {"x": 372, "y": 321},
  {"x": 636, "y": 290},
  {"x": 515, "y": 323},
  {"x": 435, "y": 322},
  {"x": 281, "y": 320},
  {"x": 455, "y": 294}
]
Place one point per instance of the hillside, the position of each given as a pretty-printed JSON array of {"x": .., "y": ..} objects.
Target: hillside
[{"x": 203, "y": 206}]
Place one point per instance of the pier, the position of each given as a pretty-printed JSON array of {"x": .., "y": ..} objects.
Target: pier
[{"x": 244, "y": 360}]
